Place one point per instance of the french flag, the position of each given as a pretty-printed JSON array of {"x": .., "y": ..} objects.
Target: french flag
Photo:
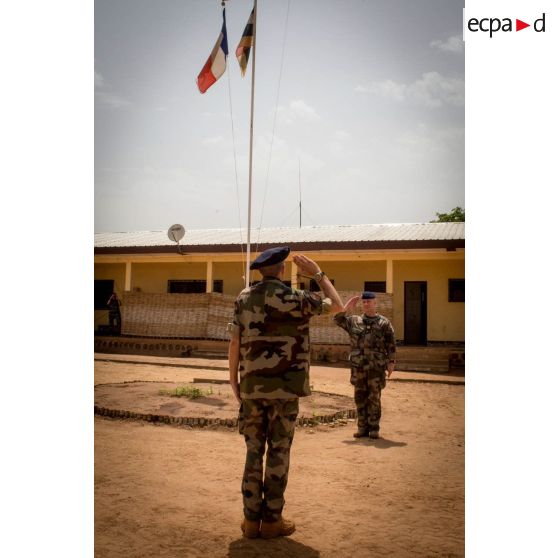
[{"x": 216, "y": 63}]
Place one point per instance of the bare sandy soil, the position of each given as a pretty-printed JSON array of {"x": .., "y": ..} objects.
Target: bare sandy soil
[{"x": 175, "y": 491}]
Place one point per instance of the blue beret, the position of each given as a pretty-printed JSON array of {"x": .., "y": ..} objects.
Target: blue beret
[
  {"x": 368, "y": 295},
  {"x": 270, "y": 257}
]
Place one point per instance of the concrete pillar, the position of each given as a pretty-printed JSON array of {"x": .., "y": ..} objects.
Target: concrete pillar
[
  {"x": 209, "y": 277},
  {"x": 294, "y": 278},
  {"x": 389, "y": 276},
  {"x": 128, "y": 277}
]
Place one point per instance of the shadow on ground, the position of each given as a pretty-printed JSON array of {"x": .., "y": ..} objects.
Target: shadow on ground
[
  {"x": 380, "y": 443},
  {"x": 276, "y": 548}
]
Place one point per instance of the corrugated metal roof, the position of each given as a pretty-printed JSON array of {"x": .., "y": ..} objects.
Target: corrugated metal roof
[{"x": 286, "y": 235}]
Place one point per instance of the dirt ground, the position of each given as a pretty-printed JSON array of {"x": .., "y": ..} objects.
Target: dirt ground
[{"x": 171, "y": 491}]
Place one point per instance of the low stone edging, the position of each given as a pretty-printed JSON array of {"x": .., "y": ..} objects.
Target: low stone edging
[{"x": 200, "y": 422}]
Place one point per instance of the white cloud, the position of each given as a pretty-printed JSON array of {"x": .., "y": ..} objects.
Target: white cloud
[
  {"x": 296, "y": 111},
  {"x": 451, "y": 44},
  {"x": 431, "y": 90},
  {"x": 341, "y": 135},
  {"x": 213, "y": 140},
  {"x": 105, "y": 96},
  {"x": 99, "y": 80},
  {"x": 339, "y": 146},
  {"x": 114, "y": 101},
  {"x": 285, "y": 158},
  {"x": 304, "y": 111},
  {"x": 390, "y": 89},
  {"x": 429, "y": 141}
]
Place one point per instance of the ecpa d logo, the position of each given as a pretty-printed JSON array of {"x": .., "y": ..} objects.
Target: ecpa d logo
[{"x": 494, "y": 25}]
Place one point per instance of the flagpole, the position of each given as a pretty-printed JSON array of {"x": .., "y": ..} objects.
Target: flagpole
[{"x": 251, "y": 144}]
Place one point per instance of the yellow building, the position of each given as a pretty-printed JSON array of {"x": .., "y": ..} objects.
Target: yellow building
[{"x": 419, "y": 267}]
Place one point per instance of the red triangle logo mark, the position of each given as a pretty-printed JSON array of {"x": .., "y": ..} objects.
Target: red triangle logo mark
[{"x": 519, "y": 25}]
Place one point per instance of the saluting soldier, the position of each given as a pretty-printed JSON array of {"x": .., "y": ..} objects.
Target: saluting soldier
[
  {"x": 115, "y": 320},
  {"x": 270, "y": 348},
  {"x": 372, "y": 354}
]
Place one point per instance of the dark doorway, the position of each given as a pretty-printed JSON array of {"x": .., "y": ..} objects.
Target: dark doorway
[
  {"x": 415, "y": 312},
  {"x": 103, "y": 289}
]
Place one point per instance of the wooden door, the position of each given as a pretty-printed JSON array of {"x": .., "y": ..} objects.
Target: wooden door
[{"x": 415, "y": 313}]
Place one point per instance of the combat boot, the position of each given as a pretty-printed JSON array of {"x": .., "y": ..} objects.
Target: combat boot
[
  {"x": 374, "y": 434},
  {"x": 251, "y": 529},
  {"x": 281, "y": 528},
  {"x": 361, "y": 433}
]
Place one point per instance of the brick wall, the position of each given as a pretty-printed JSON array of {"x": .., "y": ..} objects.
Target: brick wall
[{"x": 206, "y": 315}]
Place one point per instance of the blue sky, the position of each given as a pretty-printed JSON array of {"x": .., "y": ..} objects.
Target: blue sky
[{"x": 370, "y": 102}]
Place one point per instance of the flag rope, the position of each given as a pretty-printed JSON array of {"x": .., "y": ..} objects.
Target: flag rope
[{"x": 274, "y": 122}]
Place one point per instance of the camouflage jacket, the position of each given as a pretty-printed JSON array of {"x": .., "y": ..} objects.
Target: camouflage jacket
[
  {"x": 372, "y": 339},
  {"x": 272, "y": 320},
  {"x": 113, "y": 305}
]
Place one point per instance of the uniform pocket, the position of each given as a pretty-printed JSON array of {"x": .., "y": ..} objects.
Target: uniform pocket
[{"x": 356, "y": 358}]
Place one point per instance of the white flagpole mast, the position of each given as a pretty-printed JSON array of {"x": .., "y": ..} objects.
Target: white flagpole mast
[{"x": 251, "y": 143}]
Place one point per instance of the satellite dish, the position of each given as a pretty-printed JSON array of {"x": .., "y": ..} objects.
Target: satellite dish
[{"x": 176, "y": 233}]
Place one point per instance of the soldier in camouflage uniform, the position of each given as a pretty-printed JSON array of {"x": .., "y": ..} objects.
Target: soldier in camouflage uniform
[
  {"x": 372, "y": 353},
  {"x": 115, "y": 321},
  {"x": 270, "y": 348}
]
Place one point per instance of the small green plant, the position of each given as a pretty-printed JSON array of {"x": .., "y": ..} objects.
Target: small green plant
[
  {"x": 313, "y": 404},
  {"x": 186, "y": 391}
]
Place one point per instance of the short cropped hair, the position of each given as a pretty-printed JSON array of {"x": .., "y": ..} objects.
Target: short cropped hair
[{"x": 274, "y": 269}]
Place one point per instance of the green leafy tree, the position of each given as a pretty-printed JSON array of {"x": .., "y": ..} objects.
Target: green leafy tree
[{"x": 456, "y": 215}]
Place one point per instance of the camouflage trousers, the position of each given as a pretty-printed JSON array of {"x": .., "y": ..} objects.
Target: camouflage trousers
[
  {"x": 368, "y": 384},
  {"x": 271, "y": 422},
  {"x": 114, "y": 319}
]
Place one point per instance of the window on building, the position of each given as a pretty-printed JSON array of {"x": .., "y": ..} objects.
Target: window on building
[
  {"x": 103, "y": 289},
  {"x": 193, "y": 286},
  {"x": 186, "y": 286},
  {"x": 456, "y": 290},
  {"x": 375, "y": 286}
]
